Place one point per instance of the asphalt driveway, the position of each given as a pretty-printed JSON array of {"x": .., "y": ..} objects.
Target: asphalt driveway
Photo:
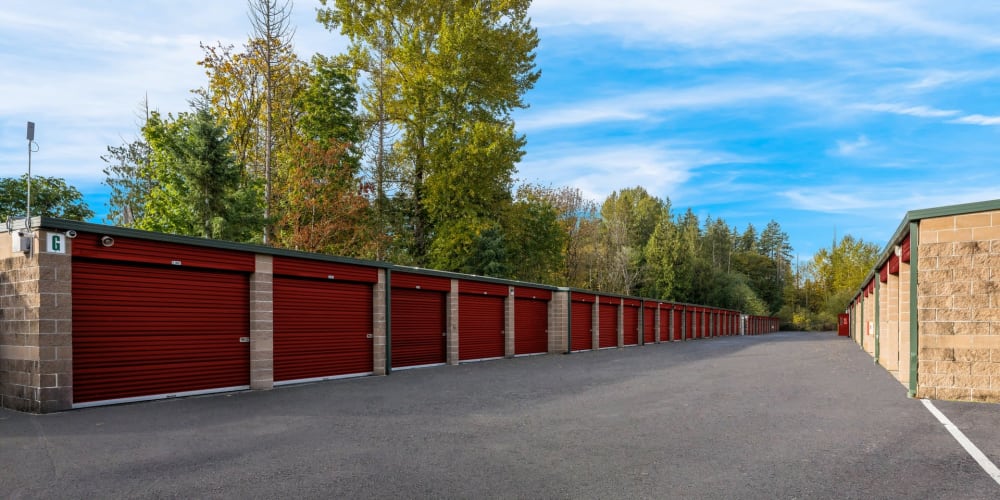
[{"x": 788, "y": 415}]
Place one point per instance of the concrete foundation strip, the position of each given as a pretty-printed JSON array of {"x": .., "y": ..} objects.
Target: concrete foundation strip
[{"x": 969, "y": 446}]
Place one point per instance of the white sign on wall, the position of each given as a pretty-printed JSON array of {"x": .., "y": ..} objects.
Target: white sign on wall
[{"x": 55, "y": 243}]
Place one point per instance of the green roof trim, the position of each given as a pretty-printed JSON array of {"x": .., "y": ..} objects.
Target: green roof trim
[{"x": 44, "y": 223}]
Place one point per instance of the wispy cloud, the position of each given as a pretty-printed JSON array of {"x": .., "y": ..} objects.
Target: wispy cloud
[
  {"x": 648, "y": 103},
  {"x": 851, "y": 148},
  {"x": 734, "y": 22},
  {"x": 887, "y": 199},
  {"x": 662, "y": 169},
  {"x": 902, "y": 109},
  {"x": 978, "y": 120}
]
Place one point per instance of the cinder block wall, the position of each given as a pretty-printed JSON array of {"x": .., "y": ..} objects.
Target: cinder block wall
[
  {"x": 903, "y": 374},
  {"x": 869, "y": 320},
  {"x": 959, "y": 307},
  {"x": 36, "y": 341}
]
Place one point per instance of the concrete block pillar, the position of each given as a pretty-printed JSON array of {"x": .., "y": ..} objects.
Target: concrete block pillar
[
  {"x": 36, "y": 334},
  {"x": 509, "y": 321},
  {"x": 379, "y": 324},
  {"x": 621, "y": 323},
  {"x": 595, "y": 325},
  {"x": 672, "y": 335},
  {"x": 262, "y": 323},
  {"x": 452, "y": 332},
  {"x": 656, "y": 325},
  {"x": 558, "y": 326}
]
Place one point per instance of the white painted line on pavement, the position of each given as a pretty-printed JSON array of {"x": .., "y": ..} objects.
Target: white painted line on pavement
[{"x": 969, "y": 446}]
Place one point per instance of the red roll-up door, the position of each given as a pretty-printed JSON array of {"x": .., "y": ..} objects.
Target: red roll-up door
[
  {"x": 581, "y": 336},
  {"x": 649, "y": 325},
  {"x": 321, "y": 328},
  {"x": 531, "y": 323},
  {"x": 418, "y": 327},
  {"x": 480, "y": 327},
  {"x": 608, "y": 326},
  {"x": 630, "y": 325},
  {"x": 145, "y": 331}
]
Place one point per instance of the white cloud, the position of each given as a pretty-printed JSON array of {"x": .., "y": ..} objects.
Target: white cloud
[
  {"x": 978, "y": 120},
  {"x": 734, "y": 22},
  {"x": 662, "y": 169},
  {"x": 851, "y": 148},
  {"x": 644, "y": 105},
  {"x": 80, "y": 71},
  {"x": 876, "y": 199},
  {"x": 902, "y": 109}
]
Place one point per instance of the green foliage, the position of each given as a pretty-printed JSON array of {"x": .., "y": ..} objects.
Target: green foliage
[
  {"x": 50, "y": 197},
  {"x": 535, "y": 239},
  {"x": 328, "y": 106},
  {"x": 196, "y": 182},
  {"x": 128, "y": 176},
  {"x": 447, "y": 74},
  {"x": 829, "y": 282}
]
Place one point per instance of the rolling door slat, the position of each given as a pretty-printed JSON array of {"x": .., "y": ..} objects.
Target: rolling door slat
[
  {"x": 531, "y": 319},
  {"x": 418, "y": 325},
  {"x": 480, "y": 327},
  {"x": 145, "y": 331},
  {"x": 321, "y": 328}
]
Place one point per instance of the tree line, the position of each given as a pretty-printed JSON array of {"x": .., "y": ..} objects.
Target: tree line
[{"x": 404, "y": 149}]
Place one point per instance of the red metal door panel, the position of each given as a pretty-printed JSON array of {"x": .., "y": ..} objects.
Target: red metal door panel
[
  {"x": 148, "y": 331},
  {"x": 321, "y": 328},
  {"x": 649, "y": 325},
  {"x": 187, "y": 254},
  {"x": 581, "y": 337},
  {"x": 482, "y": 288},
  {"x": 532, "y": 293},
  {"x": 480, "y": 327},
  {"x": 324, "y": 270},
  {"x": 420, "y": 282},
  {"x": 608, "y": 326},
  {"x": 418, "y": 327},
  {"x": 531, "y": 323},
  {"x": 630, "y": 325}
]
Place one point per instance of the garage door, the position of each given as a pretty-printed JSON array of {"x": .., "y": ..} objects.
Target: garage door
[
  {"x": 418, "y": 327},
  {"x": 321, "y": 329},
  {"x": 531, "y": 322},
  {"x": 142, "y": 331},
  {"x": 608, "y": 333},
  {"x": 630, "y": 325},
  {"x": 581, "y": 336},
  {"x": 480, "y": 327}
]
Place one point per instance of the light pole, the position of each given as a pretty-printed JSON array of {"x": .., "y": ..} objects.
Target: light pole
[{"x": 31, "y": 140}]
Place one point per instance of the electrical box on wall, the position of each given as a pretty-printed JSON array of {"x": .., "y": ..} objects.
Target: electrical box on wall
[{"x": 20, "y": 242}]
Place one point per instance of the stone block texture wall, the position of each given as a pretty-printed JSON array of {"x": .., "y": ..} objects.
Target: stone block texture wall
[
  {"x": 36, "y": 345},
  {"x": 959, "y": 307}
]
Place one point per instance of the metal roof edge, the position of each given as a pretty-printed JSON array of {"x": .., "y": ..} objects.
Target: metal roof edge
[
  {"x": 44, "y": 223},
  {"x": 915, "y": 216},
  {"x": 65, "y": 225}
]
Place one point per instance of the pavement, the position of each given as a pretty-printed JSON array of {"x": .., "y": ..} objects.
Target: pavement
[{"x": 786, "y": 415}]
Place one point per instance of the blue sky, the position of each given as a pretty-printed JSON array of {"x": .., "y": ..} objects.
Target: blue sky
[{"x": 825, "y": 115}]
